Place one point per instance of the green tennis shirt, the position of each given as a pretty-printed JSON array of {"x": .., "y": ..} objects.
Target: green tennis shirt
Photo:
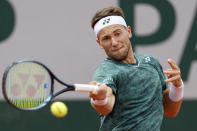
[{"x": 138, "y": 93}]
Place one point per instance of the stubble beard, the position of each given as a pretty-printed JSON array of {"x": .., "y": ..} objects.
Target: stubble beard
[{"x": 122, "y": 56}]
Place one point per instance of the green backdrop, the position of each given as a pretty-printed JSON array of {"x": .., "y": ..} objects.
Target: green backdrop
[{"x": 82, "y": 117}]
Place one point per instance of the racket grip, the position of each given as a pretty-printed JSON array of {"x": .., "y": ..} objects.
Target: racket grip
[{"x": 85, "y": 87}]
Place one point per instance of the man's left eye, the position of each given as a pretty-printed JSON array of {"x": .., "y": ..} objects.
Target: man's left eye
[{"x": 117, "y": 34}]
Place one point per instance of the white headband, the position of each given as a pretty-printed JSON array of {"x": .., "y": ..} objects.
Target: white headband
[{"x": 107, "y": 21}]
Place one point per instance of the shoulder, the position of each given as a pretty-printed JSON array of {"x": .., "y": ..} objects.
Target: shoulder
[
  {"x": 148, "y": 59},
  {"x": 107, "y": 66},
  {"x": 106, "y": 73},
  {"x": 106, "y": 70}
]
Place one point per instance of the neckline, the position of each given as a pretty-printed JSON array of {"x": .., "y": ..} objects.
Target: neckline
[{"x": 122, "y": 63}]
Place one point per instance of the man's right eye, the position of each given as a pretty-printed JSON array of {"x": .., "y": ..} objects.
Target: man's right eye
[{"x": 106, "y": 38}]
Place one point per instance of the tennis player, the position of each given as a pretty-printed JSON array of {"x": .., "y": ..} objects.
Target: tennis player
[{"x": 133, "y": 93}]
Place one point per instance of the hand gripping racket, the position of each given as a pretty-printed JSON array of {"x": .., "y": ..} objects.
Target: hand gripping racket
[{"x": 29, "y": 85}]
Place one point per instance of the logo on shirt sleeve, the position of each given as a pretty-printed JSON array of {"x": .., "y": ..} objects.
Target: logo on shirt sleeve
[{"x": 108, "y": 80}]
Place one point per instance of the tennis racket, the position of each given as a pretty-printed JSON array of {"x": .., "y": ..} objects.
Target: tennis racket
[{"x": 29, "y": 85}]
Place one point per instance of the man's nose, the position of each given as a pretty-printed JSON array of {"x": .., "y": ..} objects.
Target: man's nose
[{"x": 114, "y": 42}]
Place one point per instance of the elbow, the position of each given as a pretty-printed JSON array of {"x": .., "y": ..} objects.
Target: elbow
[{"x": 171, "y": 114}]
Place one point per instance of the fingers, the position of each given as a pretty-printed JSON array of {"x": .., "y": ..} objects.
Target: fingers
[
  {"x": 174, "y": 78},
  {"x": 94, "y": 91},
  {"x": 93, "y": 83},
  {"x": 100, "y": 93},
  {"x": 172, "y": 64},
  {"x": 172, "y": 72}
]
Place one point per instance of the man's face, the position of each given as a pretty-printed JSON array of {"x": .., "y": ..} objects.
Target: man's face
[{"x": 115, "y": 41}]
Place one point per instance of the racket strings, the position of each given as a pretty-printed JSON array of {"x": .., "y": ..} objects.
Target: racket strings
[
  {"x": 26, "y": 103},
  {"x": 28, "y": 85}
]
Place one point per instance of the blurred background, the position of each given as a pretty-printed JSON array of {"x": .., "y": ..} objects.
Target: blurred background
[{"x": 58, "y": 34}]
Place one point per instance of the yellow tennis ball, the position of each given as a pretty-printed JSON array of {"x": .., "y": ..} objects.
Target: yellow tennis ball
[{"x": 59, "y": 109}]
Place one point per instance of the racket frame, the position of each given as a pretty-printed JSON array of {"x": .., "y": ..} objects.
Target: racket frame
[{"x": 70, "y": 87}]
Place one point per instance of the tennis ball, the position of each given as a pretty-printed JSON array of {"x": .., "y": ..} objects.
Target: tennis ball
[{"x": 59, "y": 109}]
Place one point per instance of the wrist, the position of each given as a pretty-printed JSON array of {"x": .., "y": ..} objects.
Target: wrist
[
  {"x": 176, "y": 93},
  {"x": 100, "y": 102}
]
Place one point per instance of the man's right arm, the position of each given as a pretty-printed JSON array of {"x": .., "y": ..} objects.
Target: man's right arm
[{"x": 103, "y": 99}]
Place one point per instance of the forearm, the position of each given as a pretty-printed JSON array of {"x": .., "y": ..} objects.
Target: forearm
[
  {"x": 171, "y": 108},
  {"x": 172, "y": 100}
]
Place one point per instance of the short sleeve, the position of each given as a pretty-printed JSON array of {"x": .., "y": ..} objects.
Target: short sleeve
[
  {"x": 161, "y": 74},
  {"x": 105, "y": 76}
]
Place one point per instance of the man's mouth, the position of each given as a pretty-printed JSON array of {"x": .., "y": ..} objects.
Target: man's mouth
[{"x": 116, "y": 49}]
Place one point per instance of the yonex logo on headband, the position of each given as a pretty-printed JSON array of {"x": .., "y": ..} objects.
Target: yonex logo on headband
[{"x": 107, "y": 21}]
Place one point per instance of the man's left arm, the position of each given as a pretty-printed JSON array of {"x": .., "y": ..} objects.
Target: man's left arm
[{"x": 172, "y": 96}]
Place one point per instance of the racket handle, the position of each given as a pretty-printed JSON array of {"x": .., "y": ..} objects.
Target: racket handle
[{"x": 85, "y": 87}]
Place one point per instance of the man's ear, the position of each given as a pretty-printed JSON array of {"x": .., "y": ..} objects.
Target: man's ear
[
  {"x": 99, "y": 43},
  {"x": 129, "y": 31}
]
